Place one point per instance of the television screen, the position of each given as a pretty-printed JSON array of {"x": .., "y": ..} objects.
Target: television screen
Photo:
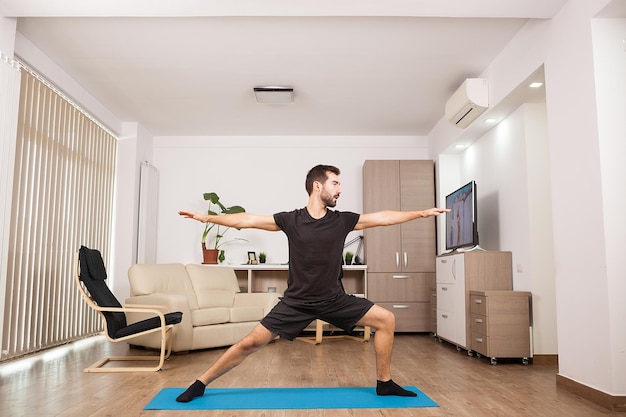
[{"x": 461, "y": 220}]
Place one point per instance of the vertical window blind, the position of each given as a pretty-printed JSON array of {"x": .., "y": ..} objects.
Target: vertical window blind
[{"x": 62, "y": 198}]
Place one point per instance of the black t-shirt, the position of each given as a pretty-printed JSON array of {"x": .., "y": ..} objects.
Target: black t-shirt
[{"x": 315, "y": 252}]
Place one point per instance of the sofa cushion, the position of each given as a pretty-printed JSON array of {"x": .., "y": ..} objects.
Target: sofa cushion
[
  {"x": 146, "y": 279},
  {"x": 243, "y": 314},
  {"x": 206, "y": 316},
  {"x": 214, "y": 285}
]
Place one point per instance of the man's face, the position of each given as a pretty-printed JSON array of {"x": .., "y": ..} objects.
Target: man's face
[{"x": 331, "y": 190}]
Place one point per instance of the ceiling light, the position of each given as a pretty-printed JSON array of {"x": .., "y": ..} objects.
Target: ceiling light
[
  {"x": 273, "y": 94},
  {"x": 459, "y": 146},
  {"x": 535, "y": 85},
  {"x": 490, "y": 120}
]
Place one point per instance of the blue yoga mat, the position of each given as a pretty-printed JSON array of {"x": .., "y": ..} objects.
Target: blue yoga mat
[{"x": 287, "y": 399}]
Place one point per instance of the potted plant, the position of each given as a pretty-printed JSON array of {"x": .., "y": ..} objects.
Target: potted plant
[
  {"x": 213, "y": 254},
  {"x": 262, "y": 257},
  {"x": 349, "y": 256}
]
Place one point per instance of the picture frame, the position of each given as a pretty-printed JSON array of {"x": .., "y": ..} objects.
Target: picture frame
[{"x": 252, "y": 258}]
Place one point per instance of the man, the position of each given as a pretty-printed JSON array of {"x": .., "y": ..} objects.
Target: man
[{"x": 316, "y": 236}]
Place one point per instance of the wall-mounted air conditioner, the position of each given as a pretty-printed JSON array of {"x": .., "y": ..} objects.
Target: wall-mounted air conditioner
[{"x": 468, "y": 102}]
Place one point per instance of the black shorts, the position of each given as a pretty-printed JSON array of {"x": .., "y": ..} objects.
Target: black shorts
[{"x": 288, "y": 318}]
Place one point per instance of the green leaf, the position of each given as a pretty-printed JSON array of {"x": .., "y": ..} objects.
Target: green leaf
[
  {"x": 212, "y": 197},
  {"x": 233, "y": 210}
]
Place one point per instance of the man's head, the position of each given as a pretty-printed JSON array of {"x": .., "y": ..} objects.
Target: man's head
[{"x": 317, "y": 179}]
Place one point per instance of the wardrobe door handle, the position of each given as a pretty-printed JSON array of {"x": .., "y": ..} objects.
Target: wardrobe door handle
[
  {"x": 400, "y": 276},
  {"x": 406, "y": 260},
  {"x": 397, "y": 260},
  {"x": 400, "y": 306}
]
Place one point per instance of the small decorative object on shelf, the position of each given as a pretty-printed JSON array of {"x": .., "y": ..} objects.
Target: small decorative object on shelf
[
  {"x": 252, "y": 258},
  {"x": 349, "y": 256},
  {"x": 262, "y": 257}
]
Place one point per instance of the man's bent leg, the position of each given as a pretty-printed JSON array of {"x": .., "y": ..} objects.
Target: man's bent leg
[
  {"x": 233, "y": 356},
  {"x": 384, "y": 322}
]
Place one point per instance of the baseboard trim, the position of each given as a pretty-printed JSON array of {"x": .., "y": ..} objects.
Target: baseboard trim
[
  {"x": 611, "y": 402},
  {"x": 545, "y": 359}
]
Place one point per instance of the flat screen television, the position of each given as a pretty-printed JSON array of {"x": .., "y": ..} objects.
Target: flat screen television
[{"x": 462, "y": 219}]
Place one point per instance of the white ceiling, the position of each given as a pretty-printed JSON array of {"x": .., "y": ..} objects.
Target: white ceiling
[{"x": 377, "y": 67}]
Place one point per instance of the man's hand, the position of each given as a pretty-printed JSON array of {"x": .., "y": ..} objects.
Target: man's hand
[
  {"x": 191, "y": 215},
  {"x": 434, "y": 212}
]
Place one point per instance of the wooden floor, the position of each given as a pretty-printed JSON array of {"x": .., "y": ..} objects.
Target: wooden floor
[{"x": 53, "y": 384}]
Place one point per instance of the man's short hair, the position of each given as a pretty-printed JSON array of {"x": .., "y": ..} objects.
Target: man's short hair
[{"x": 319, "y": 173}]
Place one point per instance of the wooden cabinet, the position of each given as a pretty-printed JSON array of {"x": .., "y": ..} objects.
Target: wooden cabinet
[
  {"x": 400, "y": 185},
  {"x": 500, "y": 324},
  {"x": 401, "y": 258},
  {"x": 458, "y": 273}
]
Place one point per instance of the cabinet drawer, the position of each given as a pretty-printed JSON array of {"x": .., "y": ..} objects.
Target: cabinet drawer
[
  {"x": 500, "y": 347},
  {"x": 446, "y": 325},
  {"x": 480, "y": 344},
  {"x": 445, "y": 296},
  {"x": 478, "y": 324},
  {"x": 402, "y": 287},
  {"x": 410, "y": 317},
  {"x": 478, "y": 304}
]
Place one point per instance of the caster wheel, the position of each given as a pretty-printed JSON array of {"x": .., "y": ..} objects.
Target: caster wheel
[
  {"x": 470, "y": 353},
  {"x": 494, "y": 361},
  {"x": 525, "y": 361},
  {"x": 478, "y": 355},
  {"x": 458, "y": 348}
]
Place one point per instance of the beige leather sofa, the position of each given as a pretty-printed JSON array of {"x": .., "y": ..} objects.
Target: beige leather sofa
[{"x": 215, "y": 312}]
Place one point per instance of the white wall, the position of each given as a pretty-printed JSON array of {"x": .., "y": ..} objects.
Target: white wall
[
  {"x": 580, "y": 244},
  {"x": 263, "y": 174},
  {"x": 610, "y": 74},
  {"x": 538, "y": 262},
  {"x": 7, "y": 35},
  {"x": 133, "y": 147}
]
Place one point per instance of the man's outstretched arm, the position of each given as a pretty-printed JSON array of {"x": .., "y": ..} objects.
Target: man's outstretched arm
[
  {"x": 390, "y": 217},
  {"x": 237, "y": 220}
]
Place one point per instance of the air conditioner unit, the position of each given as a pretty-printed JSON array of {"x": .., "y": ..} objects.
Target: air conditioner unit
[{"x": 468, "y": 102}]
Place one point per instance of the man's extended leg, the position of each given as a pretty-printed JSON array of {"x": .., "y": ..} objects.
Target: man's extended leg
[
  {"x": 384, "y": 322},
  {"x": 233, "y": 356}
]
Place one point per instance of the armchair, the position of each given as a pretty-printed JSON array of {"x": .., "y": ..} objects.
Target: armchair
[{"x": 90, "y": 276}]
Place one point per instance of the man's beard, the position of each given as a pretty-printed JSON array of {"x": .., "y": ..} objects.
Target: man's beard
[{"x": 329, "y": 200}]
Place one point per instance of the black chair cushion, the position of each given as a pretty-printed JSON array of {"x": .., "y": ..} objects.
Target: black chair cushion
[
  {"x": 148, "y": 324},
  {"x": 93, "y": 274}
]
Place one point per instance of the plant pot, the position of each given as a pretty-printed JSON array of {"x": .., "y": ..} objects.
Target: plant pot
[{"x": 209, "y": 256}]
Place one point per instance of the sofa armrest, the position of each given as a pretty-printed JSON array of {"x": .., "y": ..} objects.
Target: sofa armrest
[
  {"x": 182, "y": 332},
  {"x": 169, "y": 302},
  {"x": 265, "y": 300}
]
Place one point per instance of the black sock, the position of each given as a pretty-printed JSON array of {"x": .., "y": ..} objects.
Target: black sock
[
  {"x": 391, "y": 388},
  {"x": 195, "y": 390}
]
